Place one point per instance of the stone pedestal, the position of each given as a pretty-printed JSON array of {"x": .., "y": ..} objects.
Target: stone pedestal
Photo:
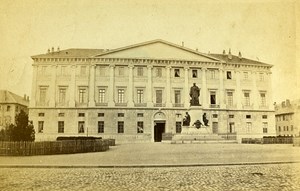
[{"x": 192, "y": 130}]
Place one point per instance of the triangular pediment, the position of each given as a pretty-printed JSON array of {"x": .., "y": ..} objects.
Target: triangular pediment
[{"x": 157, "y": 49}]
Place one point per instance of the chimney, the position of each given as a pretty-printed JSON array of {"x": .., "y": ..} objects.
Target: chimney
[
  {"x": 58, "y": 49},
  {"x": 240, "y": 55},
  {"x": 48, "y": 50},
  {"x": 24, "y": 96},
  {"x": 229, "y": 54},
  {"x": 197, "y": 49},
  {"x": 182, "y": 43},
  {"x": 27, "y": 98},
  {"x": 288, "y": 102},
  {"x": 52, "y": 49},
  {"x": 224, "y": 53}
]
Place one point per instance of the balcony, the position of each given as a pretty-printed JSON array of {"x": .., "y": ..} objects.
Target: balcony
[
  {"x": 178, "y": 104},
  {"x": 101, "y": 104},
  {"x": 140, "y": 104},
  {"x": 121, "y": 104},
  {"x": 159, "y": 105},
  {"x": 214, "y": 106}
]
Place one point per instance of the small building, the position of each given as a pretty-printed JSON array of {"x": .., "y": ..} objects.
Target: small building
[
  {"x": 139, "y": 92},
  {"x": 287, "y": 115},
  {"x": 10, "y": 105}
]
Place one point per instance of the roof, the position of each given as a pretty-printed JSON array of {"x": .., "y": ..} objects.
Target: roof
[
  {"x": 71, "y": 53},
  {"x": 237, "y": 60},
  {"x": 9, "y": 97}
]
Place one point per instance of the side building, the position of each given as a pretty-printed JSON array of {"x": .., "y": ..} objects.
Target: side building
[
  {"x": 138, "y": 92},
  {"x": 10, "y": 105},
  {"x": 287, "y": 116}
]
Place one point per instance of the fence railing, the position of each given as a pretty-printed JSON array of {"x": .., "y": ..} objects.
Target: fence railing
[
  {"x": 268, "y": 140},
  {"x": 54, "y": 147}
]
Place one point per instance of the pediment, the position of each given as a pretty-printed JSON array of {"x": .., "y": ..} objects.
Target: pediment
[{"x": 157, "y": 49}]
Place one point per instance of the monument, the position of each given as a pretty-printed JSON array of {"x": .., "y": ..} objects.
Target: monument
[{"x": 194, "y": 93}]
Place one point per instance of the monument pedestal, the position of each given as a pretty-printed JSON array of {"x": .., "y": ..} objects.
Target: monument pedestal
[{"x": 192, "y": 130}]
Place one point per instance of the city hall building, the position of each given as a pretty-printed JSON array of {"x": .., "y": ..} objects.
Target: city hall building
[{"x": 139, "y": 92}]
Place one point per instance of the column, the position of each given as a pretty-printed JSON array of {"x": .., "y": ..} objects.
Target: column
[
  {"x": 254, "y": 97},
  {"x": 33, "y": 88},
  {"x": 72, "y": 86},
  {"x": 204, "y": 89},
  {"x": 111, "y": 87},
  {"x": 52, "y": 87},
  {"x": 238, "y": 91},
  {"x": 269, "y": 93},
  {"x": 186, "y": 88},
  {"x": 168, "y": 87},
  {"x": 221, "y": 88},
  {"x": 92, "y": 86},
  {"x": 130, "y": 86},
  {"x": 149, "y": 86}
]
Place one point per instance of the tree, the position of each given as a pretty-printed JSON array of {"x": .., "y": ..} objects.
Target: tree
[{"x": 22, "y": 131}]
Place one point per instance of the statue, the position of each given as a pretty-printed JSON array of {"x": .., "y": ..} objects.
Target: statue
[
  {"x": 186, "y": 120},
  {"x": 205, "y": 120},
  {"x": 197, "y": 124},
  {"x": 194, "y": 93}
]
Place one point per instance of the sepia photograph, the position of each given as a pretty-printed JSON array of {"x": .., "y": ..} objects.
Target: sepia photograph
[{"x": 156, "y": 95}]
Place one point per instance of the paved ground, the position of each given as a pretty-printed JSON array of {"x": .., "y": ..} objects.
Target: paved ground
[
  {"x": 211, "y": 168},
  {"x": 166, "y": 154}
]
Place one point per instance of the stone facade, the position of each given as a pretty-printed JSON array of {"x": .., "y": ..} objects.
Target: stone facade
[
  {"x": 287, "y": 115},
  {"x": 138, "y": 92}
]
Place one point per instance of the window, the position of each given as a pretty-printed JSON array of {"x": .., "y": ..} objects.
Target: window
[
  {"x": 177, "y": 96},
  {"x": 140, "y": 115},
  {"x": 215, "y": 115},
  {"x": 265, "y": 116},
  {"x": 231, "y": 127},
  {"x": 41, "y": 114},
  {"x": 262, "y": 99},
  {"x": 140, "y": 71},
  {"x": 158, "y": 72},
  {"x": 194, "y": 73},
  {"x": 80, "y": 126},
  {"x": 61, "y": 126},
  {"x": 246, "y": 76},
  {"x": 61, "y": 114},
  {"x": 100, "y": 114},
  {"x": 158, "y": 96},
  {"x": 82, "y": 70},
  {"x": 292, "y": 128},
  {"x": 140, "y": 127},
  {"x": 261, "y": 76},
  {"x": 212, "y": 74},
  {"x": 82, "y": 95},
  {"x": 81, "y": 114},
  {"x": 265, "y": 127},
  {"x": 100, "y": 126},
  {"x": 40, "y": 126},
  {"x": 228, "y": 75},
  {"x": 62, "y": 95},
  {"x": 176, "y": 72},
  {"x": 178, "y": 127},
  {"x": 140, "y": 96},
  {"x": 248, "y": 127},
  {"x": 279, "y": 128},
  {"x": 213, "y": 97},
  {"x": 120, "y": 126},
  {"x": 230, "y": 98},
  {"x": 246, "y": 98},
  {"x": 248, "y": 116},
  {"x": 121, "y": 93},
  {"x": 231, "y": 116},
  {"x": 101, "y": 97},
  {"x": 121, "y": 71},
  {"x": 8, "y": 108},
  {"x": 43, "y": 92},
  {"x": 121, "y": 115}
]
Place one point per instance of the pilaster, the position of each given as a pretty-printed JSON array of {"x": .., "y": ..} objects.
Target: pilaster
[
  {"x": 221, "y": 89},
  {"x": 92, "y": 86},
  {"x": 33, "y": 88},
  {"x": 52, "y": 88},
  {"x": 149, "y": 86},
  {"x": 130, "y": 86},
  {"x": 238, "y": 90},
  {"x": 204, "y": 89},
  {"x": 254, "y": 97},
  {"x": 168, "y": 87},
  {"x": 72, "y": 86},
  {"x": 186, "y": 87},
  {"x": 111, "y": 87}
]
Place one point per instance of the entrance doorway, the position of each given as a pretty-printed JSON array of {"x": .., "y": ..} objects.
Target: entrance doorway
[{"x": 159, "y": 129}]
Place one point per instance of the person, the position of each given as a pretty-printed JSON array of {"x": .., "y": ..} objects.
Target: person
[
  {"x": 187, "y": 119},
  {"x": 194, "y": 93},
  {"x": 205, "y": 120}
]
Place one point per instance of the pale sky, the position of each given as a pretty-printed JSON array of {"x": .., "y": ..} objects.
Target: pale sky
[{"x": 264, "y": 30}]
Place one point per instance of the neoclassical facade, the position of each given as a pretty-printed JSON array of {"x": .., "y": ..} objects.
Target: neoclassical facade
[{"x": 136, "y": 93}]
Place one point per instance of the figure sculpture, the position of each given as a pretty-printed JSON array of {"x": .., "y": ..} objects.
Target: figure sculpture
[
  {"x": 194, "y": 93},
  {"x": 205, "y": 120},
  {"x": 187, "y": 119}
]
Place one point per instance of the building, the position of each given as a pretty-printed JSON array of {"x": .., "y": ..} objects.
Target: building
[
  {"x": 138, "y": 92},
  {"x": 287, "y": 115},
  {"x": 10, "y": 105}
]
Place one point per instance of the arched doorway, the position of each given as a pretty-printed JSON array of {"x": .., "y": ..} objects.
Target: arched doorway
[{"x": 159, "y": 126}]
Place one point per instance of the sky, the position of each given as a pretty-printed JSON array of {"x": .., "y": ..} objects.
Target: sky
[{"x": 262, "y": 30}]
